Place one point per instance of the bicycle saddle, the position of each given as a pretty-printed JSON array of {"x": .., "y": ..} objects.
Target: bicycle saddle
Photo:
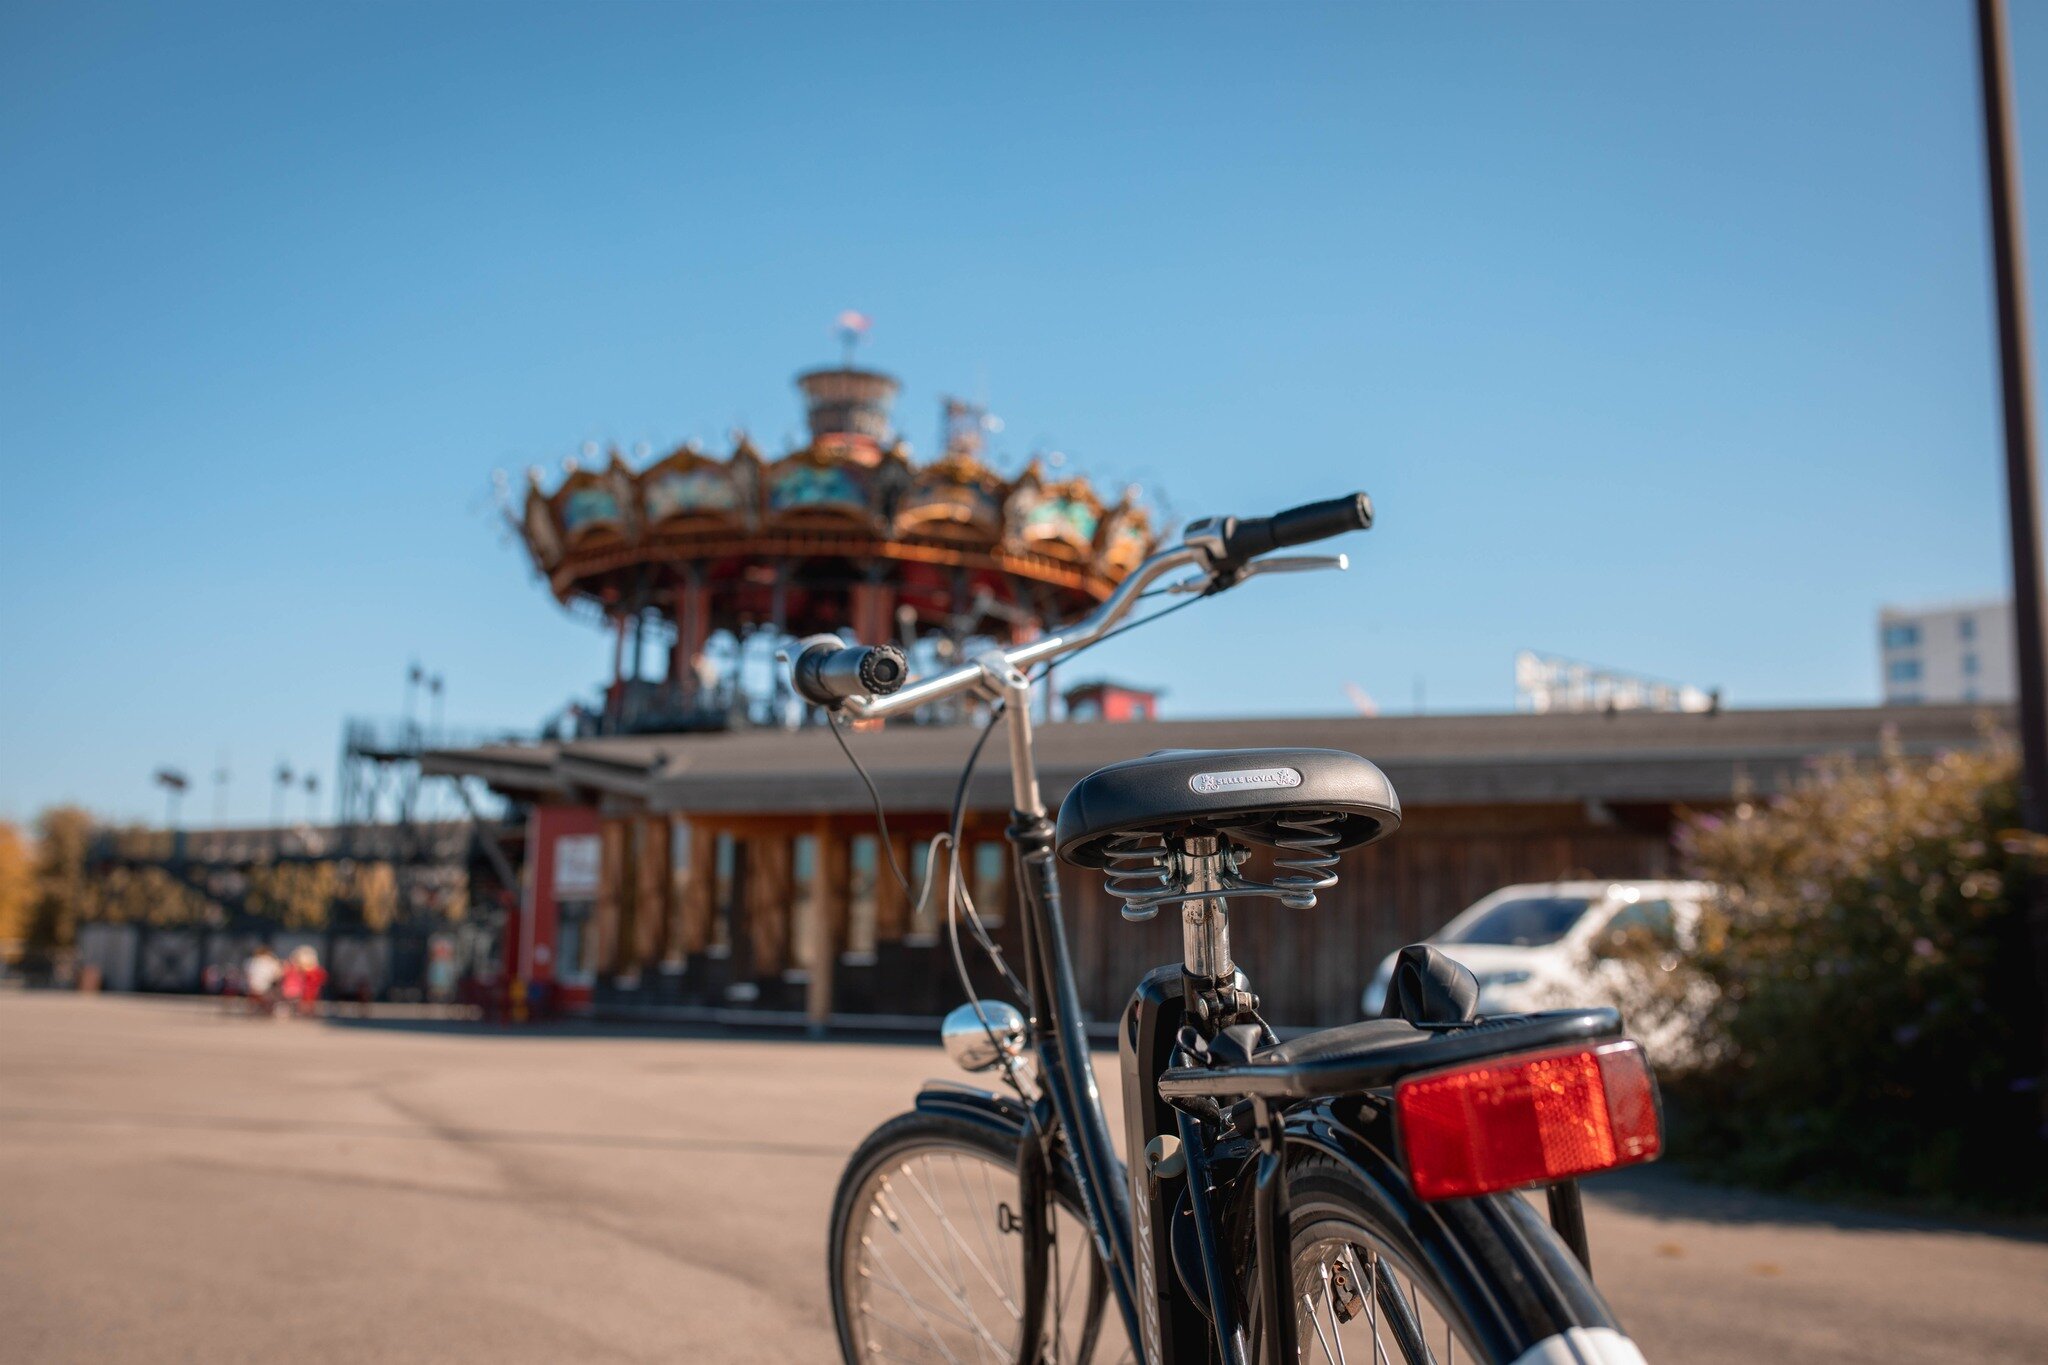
[{"x": 1248, "y": 794}]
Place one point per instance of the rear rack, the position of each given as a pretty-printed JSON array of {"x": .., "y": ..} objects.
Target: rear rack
[{"x": 1374, "y": 1066}]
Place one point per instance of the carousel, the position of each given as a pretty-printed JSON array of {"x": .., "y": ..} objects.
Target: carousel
[{"x": 703, "y": 565}]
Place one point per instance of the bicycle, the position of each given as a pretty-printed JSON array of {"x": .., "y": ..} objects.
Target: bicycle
[{"x": 1348, "y": 1194}]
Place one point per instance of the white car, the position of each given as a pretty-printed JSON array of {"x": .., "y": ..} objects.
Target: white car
[{"x": 1538, "y": 945}]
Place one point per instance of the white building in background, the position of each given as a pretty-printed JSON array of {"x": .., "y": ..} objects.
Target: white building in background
[
  {"x": 1545, "y": 683},
  {"x": 1961, "y": 652}
]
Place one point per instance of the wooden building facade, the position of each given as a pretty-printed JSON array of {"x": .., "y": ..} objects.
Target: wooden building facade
[{"x": 704, "y": 873}]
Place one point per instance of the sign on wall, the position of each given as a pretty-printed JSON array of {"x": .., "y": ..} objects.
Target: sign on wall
[{"x": 576, "y": 866}]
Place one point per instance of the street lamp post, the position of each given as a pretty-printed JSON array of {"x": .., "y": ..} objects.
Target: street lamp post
[
  {"x": 277, "y": 791},
  {"x": 2022, "y": 469},
  {"x": 174, "y": 783}
]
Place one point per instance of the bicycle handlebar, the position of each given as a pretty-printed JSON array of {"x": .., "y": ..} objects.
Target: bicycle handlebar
[
  {"x": 1219, "y": 546},
  {"x": 1250, "y": 537},
  {"x": 828, "y": 671}
]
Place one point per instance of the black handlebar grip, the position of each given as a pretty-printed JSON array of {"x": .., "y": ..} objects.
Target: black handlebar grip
[
  {"x": 828, "y": 671},
  {"x": 1249, "y": 537},
  {"x": 1321, "y": 520}
]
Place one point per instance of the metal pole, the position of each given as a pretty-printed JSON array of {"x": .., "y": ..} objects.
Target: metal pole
[{"x": 2022, "y": 470}]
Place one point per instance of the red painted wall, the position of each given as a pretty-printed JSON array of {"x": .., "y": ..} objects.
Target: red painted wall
[{"x": 548, "y": 874}]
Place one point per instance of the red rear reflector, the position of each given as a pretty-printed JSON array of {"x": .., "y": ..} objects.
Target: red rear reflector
[{"x": 1524, "y": 1120}]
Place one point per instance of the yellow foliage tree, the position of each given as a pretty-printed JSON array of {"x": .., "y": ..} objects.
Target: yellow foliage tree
[
  {"x": 17, "y": 886},
  {"x": 61, "y": 895}
]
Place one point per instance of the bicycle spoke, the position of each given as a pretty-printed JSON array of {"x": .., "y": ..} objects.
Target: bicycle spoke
[
  {"x": 879, "y": 1349},
  {"x": 917, "y": 1305},
  {"x": 922, "y": 1316},
  {"x": 1348, "y": 1288},
  {"x": 929, "y": 1261},
  {"x": 920, "y": 1286},
  {"x": 1330, "y": 1302},
  {"x": 1315, "y": 1322},
  {"x": 981, "y": 1225},
  {"x": 1372, "y": 1300},
  {"x": 959, "y": 1245},
  {"x": 958, "y": 1296}
]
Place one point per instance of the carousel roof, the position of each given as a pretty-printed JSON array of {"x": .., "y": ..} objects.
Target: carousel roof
[{"x": 852, "y": 491}]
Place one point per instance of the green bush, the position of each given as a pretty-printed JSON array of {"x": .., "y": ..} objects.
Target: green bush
[{"x": 1875, "y": 1022}]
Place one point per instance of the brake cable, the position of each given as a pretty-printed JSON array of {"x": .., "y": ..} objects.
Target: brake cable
[{"x": 956, "y": 888}]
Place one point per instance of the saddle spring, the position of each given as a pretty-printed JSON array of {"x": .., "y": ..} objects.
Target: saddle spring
[
  {"x": 1143, "y": 870},
  {"x": 1305, "y": 856},
  {"x": 1139, "y": 867}
]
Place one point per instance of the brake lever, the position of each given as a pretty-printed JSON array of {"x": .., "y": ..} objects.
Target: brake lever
[
  {"x": 1208, "y": 584},
  {"x": 1296, "y": 564}
]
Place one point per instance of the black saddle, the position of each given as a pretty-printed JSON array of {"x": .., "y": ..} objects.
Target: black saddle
[{"x": 1249, "y": 794}]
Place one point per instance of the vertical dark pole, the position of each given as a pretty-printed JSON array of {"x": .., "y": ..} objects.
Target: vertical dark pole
[
  {"x": 1568, "y": 1218},
  {"x": 2022, "y": 471}
]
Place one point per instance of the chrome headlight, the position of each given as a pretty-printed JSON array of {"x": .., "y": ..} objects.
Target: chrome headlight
[{"x": 980, "y": 1041}]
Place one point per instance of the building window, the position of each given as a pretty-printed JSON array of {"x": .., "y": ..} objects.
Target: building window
[
  {"x": 1969, "y": 665},
  {"x": 1901, "y": 635},
  {"x": 1967, "y": 627},
  {"x": 1903, "y": 671}
]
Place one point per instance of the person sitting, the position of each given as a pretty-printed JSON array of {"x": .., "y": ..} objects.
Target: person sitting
[
  {"x": 312, "y": 978},
  {"x": 260, "y": 979}
]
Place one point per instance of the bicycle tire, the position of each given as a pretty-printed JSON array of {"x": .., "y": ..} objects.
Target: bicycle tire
[
  {"x": 1486, "y": 1275},
  {"x": 1095, "y": 1336}
]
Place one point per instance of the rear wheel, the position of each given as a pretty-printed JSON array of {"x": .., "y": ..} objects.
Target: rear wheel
[
  {"x": 1380, "y": 1277},
  {"x": 927, "y": 1254}
]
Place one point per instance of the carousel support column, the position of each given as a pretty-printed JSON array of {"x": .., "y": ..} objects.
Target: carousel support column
[
  {"x": 1023, "y": 630},
  {"x": 778, "y": 611},
  {"x": 1041, "y": 605},
  {"x": 693, "y": 628},
  {"x": 831, "y": 871},
  {"x": 614, "y": 696},
  {"x": 874, "y": 610},
  {"x": 962, "y": 597},
  {"x": 678, "y": 652}
]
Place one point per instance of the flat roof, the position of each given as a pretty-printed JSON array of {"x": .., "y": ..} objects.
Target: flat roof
[{"x": 1629, "y": 756}]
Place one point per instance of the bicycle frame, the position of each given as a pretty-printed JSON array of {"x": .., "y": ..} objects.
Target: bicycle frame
[
  {"x": 1135, "y": 1258},
  {"x": 1060, "y": 1038},
  {"x": 1209, "y": 1116}
]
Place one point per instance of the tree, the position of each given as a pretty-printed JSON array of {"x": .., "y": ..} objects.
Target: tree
[
  {"x": 61, "y": 896},
  {"x": 1875, "y": 1019},
  {"x": 17, "y": 886}
]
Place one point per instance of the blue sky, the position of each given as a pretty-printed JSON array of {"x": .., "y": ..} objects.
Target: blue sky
[{"x": 1660, "y": 334}]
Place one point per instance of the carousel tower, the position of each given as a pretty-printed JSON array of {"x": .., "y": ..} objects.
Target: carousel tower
[{"x": 703, "y": 566}]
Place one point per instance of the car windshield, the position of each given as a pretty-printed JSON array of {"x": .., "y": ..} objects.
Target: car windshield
[{"x": 1524, "y": 922}]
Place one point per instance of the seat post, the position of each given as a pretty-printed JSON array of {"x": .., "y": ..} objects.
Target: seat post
[{"x": 1205, "y": 922}]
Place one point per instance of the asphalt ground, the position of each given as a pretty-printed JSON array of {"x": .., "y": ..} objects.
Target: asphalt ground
[{"x": 181, "y": 1184}]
